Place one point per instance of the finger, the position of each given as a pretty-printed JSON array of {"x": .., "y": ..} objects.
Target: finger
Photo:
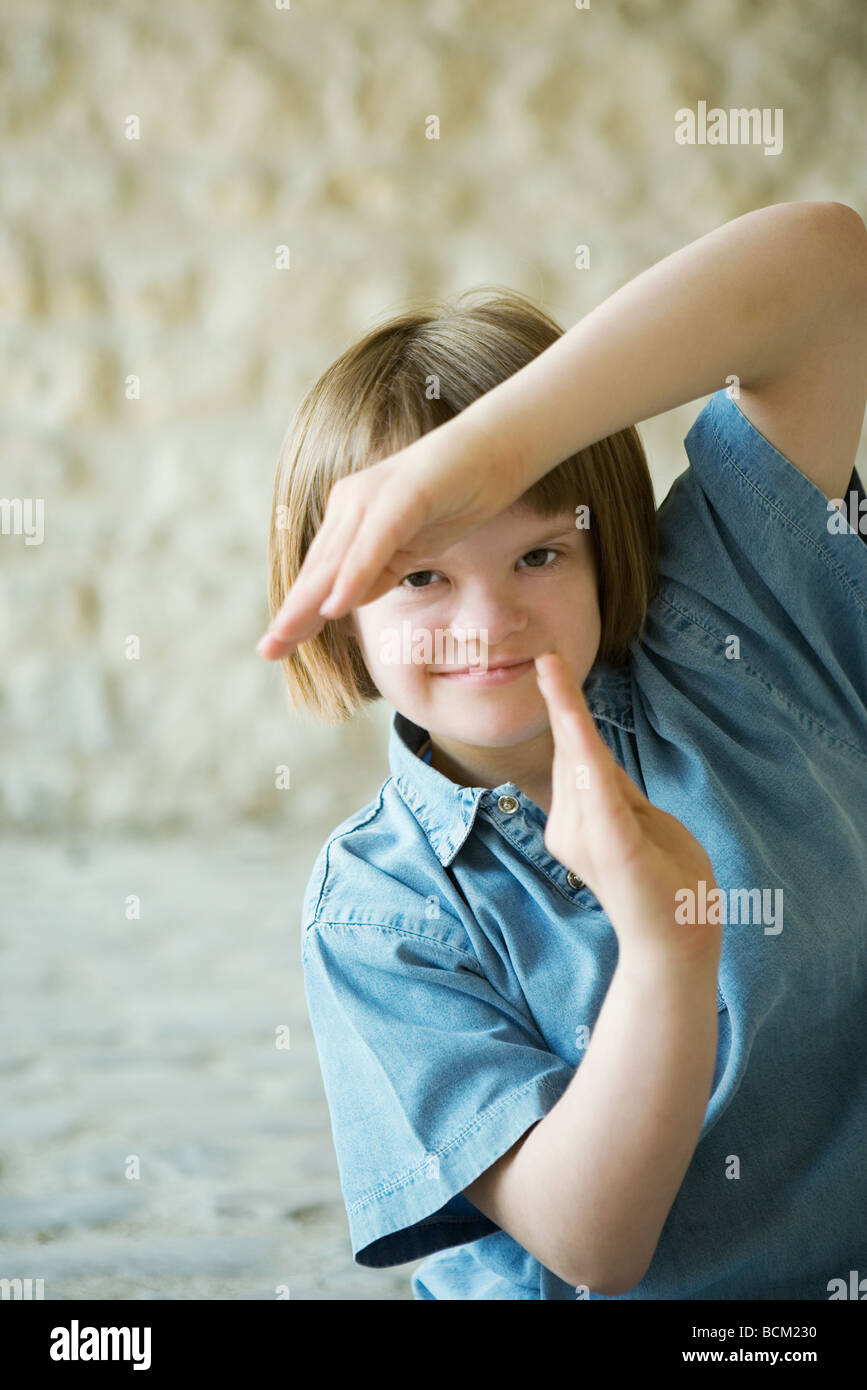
[
  {"x": 325, "y": 553},
  {"x": 297, "y": 625},
  {"x": 274, "y": 648},
  {"x": 601, "y": 797},
  {"x": 298, "y": 617},
  {"x": 570, "y": 716},
  {"x": 330, "y": 558},
  {"x": 384, "y": 529},
  {"x": 568, "y": 705},
  {"x": 328, "y": 545}
]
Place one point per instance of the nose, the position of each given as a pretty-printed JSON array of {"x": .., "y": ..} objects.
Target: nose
[{"x": 489, "y": 617}]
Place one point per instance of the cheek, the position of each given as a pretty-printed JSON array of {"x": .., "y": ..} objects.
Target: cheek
[
  {"x": 367, "y": 631},
  {"x": 375, "y": 639},
  {"x": 579, "y": 598},
  {"x": 366, "y": 643}
]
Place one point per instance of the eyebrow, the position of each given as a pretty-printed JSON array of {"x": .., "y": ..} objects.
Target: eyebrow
[
  {"x": 572, "y": 530},
  {"x": 556, "y": 535}
]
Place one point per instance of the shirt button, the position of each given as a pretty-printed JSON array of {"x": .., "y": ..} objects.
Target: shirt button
[
  {"x": 507, "y": 804},
  {"x": 574, "y": 880}
]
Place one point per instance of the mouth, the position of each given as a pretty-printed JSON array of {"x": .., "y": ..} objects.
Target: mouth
[{"x": 500, "y": 674}]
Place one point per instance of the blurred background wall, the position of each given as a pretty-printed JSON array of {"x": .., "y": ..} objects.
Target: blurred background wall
[
  {"x": 154, "y": 157},
  {"x": 155, "y": 257}
]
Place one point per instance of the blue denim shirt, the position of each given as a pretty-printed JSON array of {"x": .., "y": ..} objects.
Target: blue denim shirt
[{"x": 451, "y": 965}]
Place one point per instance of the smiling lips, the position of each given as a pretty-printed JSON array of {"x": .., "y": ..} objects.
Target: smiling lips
[{"x": 494, "y": 675}]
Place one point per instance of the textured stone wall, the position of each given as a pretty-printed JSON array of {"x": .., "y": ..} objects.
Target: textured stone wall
[{"x": 154, "y": 257}]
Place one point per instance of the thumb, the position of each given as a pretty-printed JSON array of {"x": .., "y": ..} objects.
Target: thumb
[
  {"x": 570, "y": 717},
  {"x": 595, "y": 824},
  {"x": 578, "y": 745}
]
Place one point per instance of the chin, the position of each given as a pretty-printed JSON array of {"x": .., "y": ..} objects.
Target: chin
[{"x": 491, "y": 731}]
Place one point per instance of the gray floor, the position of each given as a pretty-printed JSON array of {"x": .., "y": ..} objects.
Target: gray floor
[{"x": 149, "y": 1046}]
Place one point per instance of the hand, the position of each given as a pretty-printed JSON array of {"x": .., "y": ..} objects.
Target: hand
[
  {"x": 418, "y": 501},
  {"x": 633, "y": 856}
]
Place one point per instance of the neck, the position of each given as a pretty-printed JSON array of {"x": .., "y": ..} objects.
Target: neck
[{"x": 528, "y": 766}]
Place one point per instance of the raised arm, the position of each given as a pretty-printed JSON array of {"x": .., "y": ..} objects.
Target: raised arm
[
  {"x": 773, "y": 304},
  {"x": 776, "y": 299}
]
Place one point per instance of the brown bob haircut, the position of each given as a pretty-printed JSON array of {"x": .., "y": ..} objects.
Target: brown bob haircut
[{"x": 372, "y": 401}]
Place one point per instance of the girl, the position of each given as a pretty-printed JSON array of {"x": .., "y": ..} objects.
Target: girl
[{"x": 588, "y": 978}]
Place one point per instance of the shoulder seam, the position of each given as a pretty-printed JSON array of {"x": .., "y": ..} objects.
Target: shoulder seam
[
  {"x": 401, "y": 931},
  {"x": 769, "y": 502},
  {"x": 666, "y": 601},
  {"x": 339, "y": 835}
]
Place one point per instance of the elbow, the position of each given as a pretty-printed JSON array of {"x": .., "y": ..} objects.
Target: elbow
[
  {"x": 836, "y": 240},
  {"x": 849, "y": 244},
  {"x": 851, "y": 217},
  {"x": 620, "y": 1284},
  {"x": 610, "y": 1282}
]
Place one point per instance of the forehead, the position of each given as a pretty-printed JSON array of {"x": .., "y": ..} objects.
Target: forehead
[
  {"x": 521, "y": 513},
  {"x": 516, "y": 525}
]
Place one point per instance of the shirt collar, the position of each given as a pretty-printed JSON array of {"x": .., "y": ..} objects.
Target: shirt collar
[{"x": 446, "y": 811}]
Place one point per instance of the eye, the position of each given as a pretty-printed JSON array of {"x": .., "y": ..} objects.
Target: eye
[
  {"x": 417, "y": 574},
  {"x": 543, "y": 550},
  {"x": 421, "y": 575}
]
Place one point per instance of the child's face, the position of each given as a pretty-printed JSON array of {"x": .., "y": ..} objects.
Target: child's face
[{"x": 520, "y": 585}]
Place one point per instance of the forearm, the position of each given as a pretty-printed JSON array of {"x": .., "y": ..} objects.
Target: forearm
[
  {"x": 605, "y": 1164},
  {"x": 736, "y": 302}
]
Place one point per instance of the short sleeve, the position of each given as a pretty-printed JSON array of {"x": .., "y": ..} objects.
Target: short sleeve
[
  {"x": 751, "y": 549},
  {"x": 429, "y": 1075}
]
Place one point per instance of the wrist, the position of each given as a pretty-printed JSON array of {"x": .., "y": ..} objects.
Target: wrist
[
  {"x": 666, "y": 965},
  {"x": 487, "y": 434}
]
